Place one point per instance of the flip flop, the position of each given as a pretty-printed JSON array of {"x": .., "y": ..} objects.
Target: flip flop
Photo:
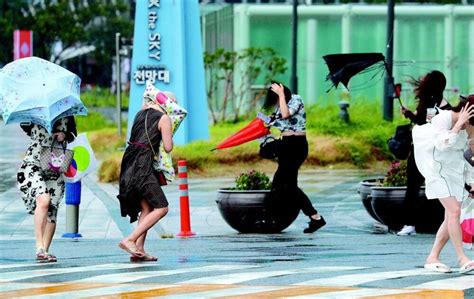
[
  {"x": 467, "y": 268},
  {"x": 438, "y": 267},
  {"x": 146, "y": 258},
  {"x": 132, "y": 250}
]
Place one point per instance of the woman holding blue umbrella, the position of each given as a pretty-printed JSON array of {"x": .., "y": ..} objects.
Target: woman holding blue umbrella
[{"x": 42, "y": 190}]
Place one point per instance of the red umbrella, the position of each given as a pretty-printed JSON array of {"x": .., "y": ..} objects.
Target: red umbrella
[{"x": 255, "y": 129}]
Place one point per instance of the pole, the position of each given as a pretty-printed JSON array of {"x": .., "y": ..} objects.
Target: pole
[
  {"x": 73, "y": 200},
  {"x": 184, "y": 200},
  {"x": 294, "y": 39},
  {"x": 388, "y": 86},
  {"x": 118, "y": 83}
]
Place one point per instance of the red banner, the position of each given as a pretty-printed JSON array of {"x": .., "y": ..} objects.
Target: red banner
[{"x": 22, "y": 44}]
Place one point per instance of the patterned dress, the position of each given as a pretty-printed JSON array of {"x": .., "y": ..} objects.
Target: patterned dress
[
  {"x": 138, "y": 179},
  {"x": 31, "y": 179}
]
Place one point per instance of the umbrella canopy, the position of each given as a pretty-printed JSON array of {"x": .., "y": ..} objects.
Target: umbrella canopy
[
  {"x": 342, "y": 67},
  {"x": 255, "y": 129},
  {"x": 38, "y": 91}
]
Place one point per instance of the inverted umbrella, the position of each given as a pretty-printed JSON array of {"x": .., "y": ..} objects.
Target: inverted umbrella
[
  {"x": 255, "y": 129},
  {"x": 342, "y": 67},
  {"x": 38, "y": 91}
]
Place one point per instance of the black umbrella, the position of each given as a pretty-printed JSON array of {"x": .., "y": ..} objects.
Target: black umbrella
[{"x": 342, "y": 67}]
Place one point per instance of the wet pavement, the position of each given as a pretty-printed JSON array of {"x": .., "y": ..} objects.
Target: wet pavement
[{"x": 345, "y": 259}]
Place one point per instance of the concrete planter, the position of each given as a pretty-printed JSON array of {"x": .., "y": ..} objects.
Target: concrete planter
[
  {"x": 253, "y": 211},
  {"x": 387, "y": 204},
  {"x": 365, "y": 188}
]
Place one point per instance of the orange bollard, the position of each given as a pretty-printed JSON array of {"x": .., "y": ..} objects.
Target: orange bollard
[{"x": 184, "y": 200}]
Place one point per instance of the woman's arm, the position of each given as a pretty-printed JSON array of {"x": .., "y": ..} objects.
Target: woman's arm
[
  {"x": 279, "y": 90},
  {"x": 164, "y": 125}
]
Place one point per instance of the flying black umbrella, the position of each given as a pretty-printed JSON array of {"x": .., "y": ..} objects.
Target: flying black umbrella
[{"x": 342, "y": 67}]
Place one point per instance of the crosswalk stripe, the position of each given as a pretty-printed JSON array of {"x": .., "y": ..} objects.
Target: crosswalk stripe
[
  {"x": 167, "y": 291},
  {"x": 236, "y": 277},
  {"x": 58, "y": 288},
  {"x": 356, "y": 279},
  {"x": 357, "y": 293},
  {"x": 133, "y": 276},
  {"x": 292, "y": 292},
  {"x": 13, "y": 276},
  {"x": 13, "y": 266},
  {"x": 246, "y": 276},
  {"x": 441, "y": 294},
  {"x": 459, "y": 283},
  {"x": 12, "y": 286}
]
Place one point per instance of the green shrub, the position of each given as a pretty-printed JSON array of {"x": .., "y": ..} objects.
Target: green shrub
[
  {"x": 253, "y": 180},
  {"x": 103, "y": 97},
  {"x": 92, "y": 121}
]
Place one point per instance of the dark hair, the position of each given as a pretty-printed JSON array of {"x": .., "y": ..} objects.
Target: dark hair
[
  {"x": 272, "y": 98},
  {"x": 465, "y": 101},
  {"x": 429, "y": 92}
]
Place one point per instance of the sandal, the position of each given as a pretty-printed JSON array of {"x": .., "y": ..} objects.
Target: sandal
[
  {"x": 41, "y": 256},
  {"x": 51, "y": 258},
  {"x": 130, "y": 249},
  {"x": 145, "y": 258}
]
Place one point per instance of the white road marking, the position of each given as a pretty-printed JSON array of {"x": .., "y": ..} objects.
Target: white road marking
[
  {"x": 459, "y": 283},
  {"x": 358, "y": 293},
  {"x": 356, "y": 279}
]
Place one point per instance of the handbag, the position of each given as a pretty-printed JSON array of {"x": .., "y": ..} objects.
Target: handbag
[
  {"x": 400, "y": 143},
  {"x": 56, "y": 157},
  {"x": 269, "y": 148},
  {"x": 468, "y": 156}
]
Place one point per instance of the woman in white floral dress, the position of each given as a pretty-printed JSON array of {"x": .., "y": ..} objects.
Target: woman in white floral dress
[{"x": 42, "y": 191}]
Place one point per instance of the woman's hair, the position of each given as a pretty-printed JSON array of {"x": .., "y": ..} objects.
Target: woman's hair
[
  {"x": 272, "y": 98},
  {"x": 465, "y": 101},
  {"x": 429, "y": 91}
]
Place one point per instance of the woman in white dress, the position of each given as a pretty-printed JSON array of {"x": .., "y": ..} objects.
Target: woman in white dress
[{"x": 446, "y": 172}]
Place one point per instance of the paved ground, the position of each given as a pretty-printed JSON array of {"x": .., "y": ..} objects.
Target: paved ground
[{"x": 343, "y": 260}]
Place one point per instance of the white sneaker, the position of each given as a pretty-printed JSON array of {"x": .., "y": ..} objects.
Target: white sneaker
[{"x": 407, "y": 230}]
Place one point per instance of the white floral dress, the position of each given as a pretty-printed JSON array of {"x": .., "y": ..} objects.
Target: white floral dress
[{"x": 31, "y": 179}]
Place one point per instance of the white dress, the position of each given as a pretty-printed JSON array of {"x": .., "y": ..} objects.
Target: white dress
[{"x": 439, "y": 157}]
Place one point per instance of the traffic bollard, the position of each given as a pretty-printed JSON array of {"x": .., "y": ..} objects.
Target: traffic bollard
[
  {"x": 184, "y": 200},
  {"x": 73, "y": 199}
]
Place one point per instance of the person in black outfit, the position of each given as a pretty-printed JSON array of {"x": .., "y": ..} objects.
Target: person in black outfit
[
  {"x": 290, "y": 119},
  {"x": 140, "y": 194},
  {"x": 429, "y": 93}
]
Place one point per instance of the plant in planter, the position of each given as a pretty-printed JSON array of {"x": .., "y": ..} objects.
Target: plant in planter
[
  {"x": 388, "y": 202},
  {"x": 249, "y": 207}
]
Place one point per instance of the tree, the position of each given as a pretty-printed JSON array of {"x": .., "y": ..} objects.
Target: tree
[{"x": 73, "y": 22}]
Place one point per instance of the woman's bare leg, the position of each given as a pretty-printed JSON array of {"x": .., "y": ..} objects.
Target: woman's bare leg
[
  {"x": 442, "y": 237},
  {"x": 144, "y": 225},
  {"x": 453, "y": 213},
  {"x": 48, "y": 234},
  {"x": 146, "y": 209},
  {"x": 41, "y": 214}
]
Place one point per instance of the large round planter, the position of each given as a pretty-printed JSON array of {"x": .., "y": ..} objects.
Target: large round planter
[
  {"x": 388, "y": 206},
  {"x": 365, "y": 188},
  {"x": 254, "y": 211}
]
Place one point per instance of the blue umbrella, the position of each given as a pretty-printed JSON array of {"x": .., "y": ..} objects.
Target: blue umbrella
[{"x": 38, "y": 91}]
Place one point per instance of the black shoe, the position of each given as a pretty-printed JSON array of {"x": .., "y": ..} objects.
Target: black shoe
[{"x": 314, "y": 225}]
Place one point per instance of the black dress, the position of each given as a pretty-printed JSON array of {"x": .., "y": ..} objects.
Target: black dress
[{"x": 138, "y": 179}]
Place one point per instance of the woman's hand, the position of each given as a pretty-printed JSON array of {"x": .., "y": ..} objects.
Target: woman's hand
[
  {"x": 60, "y": 136},
  {"x": 278, "y": 89},
  {"x": 463, "y": 117}
]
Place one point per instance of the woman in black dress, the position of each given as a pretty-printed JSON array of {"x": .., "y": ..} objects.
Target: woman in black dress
[{"x": 140, "y": 195}]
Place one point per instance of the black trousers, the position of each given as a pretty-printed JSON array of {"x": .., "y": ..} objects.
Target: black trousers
[
  {"x": 292, "y": 152},
  {"x": 412, "y": 201}
]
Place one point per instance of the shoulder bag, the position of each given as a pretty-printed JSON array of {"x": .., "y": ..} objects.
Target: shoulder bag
[{"x": 56, "y": 157}]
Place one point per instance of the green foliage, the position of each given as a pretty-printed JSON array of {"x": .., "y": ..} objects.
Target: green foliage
[
  {"x": 102, "y": 97},
  {"x": 253, "y": 180},
  {"x": 227, "y": 101},
  {"x": 93, "y": 121},
  {"x": 396, "y": 175}
]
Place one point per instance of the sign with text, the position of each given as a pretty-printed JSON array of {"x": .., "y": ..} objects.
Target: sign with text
[
  {"x": 22, "y": 44},
  {"x": 167, "y": 51}
]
